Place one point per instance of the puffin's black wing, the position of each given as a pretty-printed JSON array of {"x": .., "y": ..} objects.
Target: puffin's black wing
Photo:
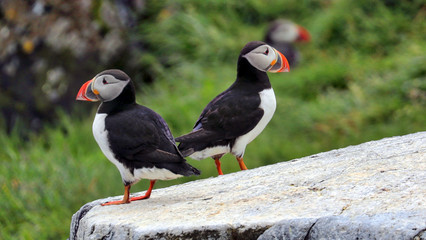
[
  {"x": 141, "y": 136},
  {"x": 228, "y": 116}
]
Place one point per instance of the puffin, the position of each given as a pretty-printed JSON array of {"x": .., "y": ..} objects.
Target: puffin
[
  {"x": 238, "y": 115},
  {"x": 133, "y": 137},
  {"x": 282, "y": 34}
]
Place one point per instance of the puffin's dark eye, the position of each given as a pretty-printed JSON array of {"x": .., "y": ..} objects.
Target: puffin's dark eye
[
  {"x": 104, "y": 81},
  {"x": 266, "y": 51}
]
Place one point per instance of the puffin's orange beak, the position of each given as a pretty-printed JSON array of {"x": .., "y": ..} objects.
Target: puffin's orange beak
[
  {"x": 280, "y": 64},
  {"x": 304, "y": 35},
  {"x": 86, "y": 94}
]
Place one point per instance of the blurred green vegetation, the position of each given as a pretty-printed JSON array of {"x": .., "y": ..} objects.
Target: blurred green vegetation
[{"x": 362, "y": 78}]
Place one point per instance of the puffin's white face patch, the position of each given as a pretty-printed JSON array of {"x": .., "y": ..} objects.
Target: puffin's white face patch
[
  {"x": 108, "y": 87},
  {"x": 262, "y": 57},
  {"x": 285, "y": 32}
]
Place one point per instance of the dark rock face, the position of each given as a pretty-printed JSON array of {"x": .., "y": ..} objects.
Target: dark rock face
[
  {"x": 399, "y": 225},
  {"x": 49, "y": 48},
  {"x": 375, "y": 190}
]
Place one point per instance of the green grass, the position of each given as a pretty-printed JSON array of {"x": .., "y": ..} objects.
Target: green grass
[{"x": 363, "y": 77}]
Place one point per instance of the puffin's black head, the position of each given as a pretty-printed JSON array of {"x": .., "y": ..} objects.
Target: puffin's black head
[
  {"x": 264, "y": 57},
  {"x": 105, "y": 86}
]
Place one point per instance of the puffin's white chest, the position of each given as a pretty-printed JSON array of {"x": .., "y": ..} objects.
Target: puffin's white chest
[
  {"x": 101, "y": 136},
  {"x": 268, "y": 104}
]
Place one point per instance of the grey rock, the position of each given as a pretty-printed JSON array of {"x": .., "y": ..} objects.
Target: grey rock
[
  {"x": 396, "y": 225},
  {"x": 373, "y": 190},
  {"x": 291, "y": 229}
]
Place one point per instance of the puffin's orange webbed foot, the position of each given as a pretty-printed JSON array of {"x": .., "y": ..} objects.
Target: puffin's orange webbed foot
[
  {"x": 125, "y": 198},
  {"x": 241, "y": 163},
  {"x": 147, "y": 194},
  {"x": 115, "y": 202},
  {"x": 219, "y": 169}
]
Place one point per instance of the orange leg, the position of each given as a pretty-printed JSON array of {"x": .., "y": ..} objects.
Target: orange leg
[
  {"x": 147, "y": 194},
  {"x": 217, "y": 162},
  {"x": 125, "y": 197},
  {"x": 241, "y": 162}
]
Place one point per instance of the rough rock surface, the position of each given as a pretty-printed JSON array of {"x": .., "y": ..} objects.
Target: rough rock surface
[{"x": 376, "y": 190}]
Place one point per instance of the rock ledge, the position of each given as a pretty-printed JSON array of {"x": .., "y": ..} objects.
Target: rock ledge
[{"x": 376, "y": 190}]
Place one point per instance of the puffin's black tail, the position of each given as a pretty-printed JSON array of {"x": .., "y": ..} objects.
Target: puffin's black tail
[
  {"x": 194, "y": 141},
  {"x": 185, "y": 150},
  {"x": 188, "y": 170},
  {"x": 194, "y": 171},
  {"x": 182, "y": 168}
]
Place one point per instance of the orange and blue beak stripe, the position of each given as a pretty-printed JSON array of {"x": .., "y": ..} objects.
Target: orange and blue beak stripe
[
  {"x": 279, "y": 64},
  {"x": 86, "y": 93}
]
